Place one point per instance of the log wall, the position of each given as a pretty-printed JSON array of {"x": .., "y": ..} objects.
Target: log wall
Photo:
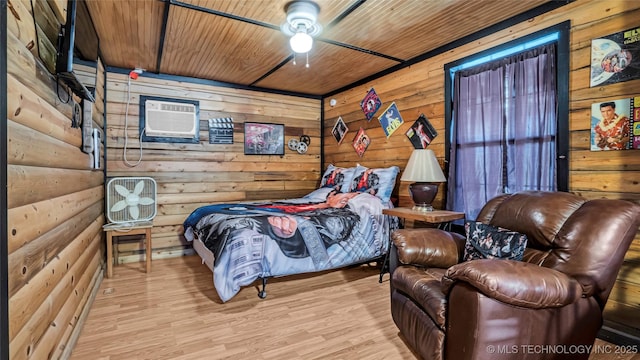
[
  {"x": 55, "y": 201},
  {"x": 193, "y": 175},
  {"x": 420, "y": 89}
]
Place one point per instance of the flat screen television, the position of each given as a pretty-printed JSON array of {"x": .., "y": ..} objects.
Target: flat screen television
[{"x": 78, "y": 42}]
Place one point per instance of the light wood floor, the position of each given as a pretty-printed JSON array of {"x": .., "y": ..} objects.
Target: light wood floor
[{"x": 175, "y": 313}]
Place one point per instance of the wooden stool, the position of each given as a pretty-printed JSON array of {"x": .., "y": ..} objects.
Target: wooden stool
[{"x": 115, "y": 230}]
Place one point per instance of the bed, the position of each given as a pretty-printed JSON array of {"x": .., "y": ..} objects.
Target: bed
[{"x": 337, "y": 225}]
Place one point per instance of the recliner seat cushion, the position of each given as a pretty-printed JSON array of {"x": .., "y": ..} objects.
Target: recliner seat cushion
[{"x": 424, "y": 287}]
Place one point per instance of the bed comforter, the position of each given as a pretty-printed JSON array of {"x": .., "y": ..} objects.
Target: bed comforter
[{"x": 259, "y": 240}]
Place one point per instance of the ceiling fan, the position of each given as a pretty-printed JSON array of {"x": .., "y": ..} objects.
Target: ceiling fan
[{"x": 301, "y": 26}]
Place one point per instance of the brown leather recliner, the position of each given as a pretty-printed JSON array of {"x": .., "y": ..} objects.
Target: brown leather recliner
[{"x": 547, "y": 306}]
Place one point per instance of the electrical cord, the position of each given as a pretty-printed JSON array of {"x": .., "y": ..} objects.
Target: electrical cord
[{"x": 126, "y": 123}]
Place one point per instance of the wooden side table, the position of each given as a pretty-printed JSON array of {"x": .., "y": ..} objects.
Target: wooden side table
[
  {"x": 116, "y": 230},
  {"x": 442, "y": 218}
]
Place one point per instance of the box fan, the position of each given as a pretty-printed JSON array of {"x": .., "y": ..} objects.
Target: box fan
[{"x": 131, "y": 199}]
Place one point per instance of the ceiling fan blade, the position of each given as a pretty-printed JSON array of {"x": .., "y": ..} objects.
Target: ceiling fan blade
[
  {"x": 134, "y": 212},
  {"x": 118, "y": 206},
  {"x": 146, "y": 201},
  {"x": 139, "y": 187},
  {"x": 121, "y": 190}
]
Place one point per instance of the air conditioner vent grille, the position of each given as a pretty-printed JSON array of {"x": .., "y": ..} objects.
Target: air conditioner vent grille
[{"x": 167, "y": 119}]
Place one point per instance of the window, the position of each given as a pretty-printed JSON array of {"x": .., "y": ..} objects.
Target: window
[{"x": 508, "y": 120}]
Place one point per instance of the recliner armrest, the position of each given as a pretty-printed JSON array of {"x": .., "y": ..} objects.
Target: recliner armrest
[
  {"x": 515, "y": 282},
  {"x": 428, "y": 247}
]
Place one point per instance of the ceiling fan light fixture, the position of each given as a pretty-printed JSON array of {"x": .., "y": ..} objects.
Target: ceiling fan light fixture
[
  {"x": 301, "y": 25},
  {"x": 301, "y": 42}
]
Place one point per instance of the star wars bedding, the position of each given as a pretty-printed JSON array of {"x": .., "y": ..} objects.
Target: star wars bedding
[{"x": 324, "y": 230}]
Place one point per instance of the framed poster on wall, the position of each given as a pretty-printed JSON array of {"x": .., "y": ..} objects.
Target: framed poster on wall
[
  {"x": 614, "y": 124},
  {"x": 390, "y": 120},
  {"x": 263, "y": 139},
  {"x": 370, "y": 104},
  {"x": 339, "y": 130},
  {"x": 361, "y": 142},
  {"x": 615, "y": 58},
  {"x": 421, "y": 133}
]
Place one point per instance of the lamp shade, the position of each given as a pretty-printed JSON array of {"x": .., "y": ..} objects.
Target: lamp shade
[
  {"x": 424, "y": 171},
  {"x": 423, "y": 167}
]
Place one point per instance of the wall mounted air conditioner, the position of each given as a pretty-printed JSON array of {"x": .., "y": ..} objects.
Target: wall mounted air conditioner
[{"x": 169, "y": 121}]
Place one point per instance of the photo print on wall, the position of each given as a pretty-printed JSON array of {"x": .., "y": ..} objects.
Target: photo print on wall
[
  {"x": 361, "y": 142},
  {"x": 390, "y": 120},
  {"x": 615, "y": 124},
  {"x": 370, "y": 104},
  {"x": 615, "y": 58},
  {"x": 339, "y": 130},
  {"x": 421, "y": 133},
  {"x": 263, "y": 139}
]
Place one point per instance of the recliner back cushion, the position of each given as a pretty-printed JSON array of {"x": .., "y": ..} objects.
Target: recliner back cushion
[{"x": 584, "y": 239}]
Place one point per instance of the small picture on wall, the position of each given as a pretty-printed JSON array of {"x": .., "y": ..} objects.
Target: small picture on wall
[
  {"x": 263, "y": 139},
  {"x": 221, "y": 131},
  {"x": 615, "y": 58},
  {"x": 339, "y": 130},
  {"x": 370, "y": 104},
  {"x": 390, "y": 120},
  {"x": 421, "y": 133},
  {"x": 613, "y": 126},
  {"x": 361, "y": 142}
]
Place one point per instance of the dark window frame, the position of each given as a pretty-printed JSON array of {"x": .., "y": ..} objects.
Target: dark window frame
[{"x": 562, "y": 80}]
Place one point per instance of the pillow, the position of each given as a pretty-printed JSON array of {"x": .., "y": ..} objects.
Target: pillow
[
  {"x": 337, "y": 178},
  {"x": 379, "y": 182},
  {"x": 489, "y": 242},
  {"x": 319, "y": 194}
]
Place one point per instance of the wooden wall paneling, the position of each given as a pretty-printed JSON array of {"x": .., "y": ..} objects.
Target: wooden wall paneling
[
  {"x": 27, "y": 339},
  {"x": 59, "y": 8},
  {"x": 25, "y": 107},
  {"x": 29, "y": 184},
  {"x": 611, "y": 174},
  {"x": 55, "y": 205},
  {"x": 28, "y": 298},
  {"x": 66, "y": 317},
  {"x": 27, "y": 222},
  {"x": 71, "y": 333},
  {"x": 30, "y": 72},
  {"x": 27, "y": 261},
  {"x": 46, "y": 19},
  {"x": 33, "y": 338},
  {"x": 20, "y": 24},
  {"x": 32, "y": 148},
  {"x": 193, "y": 175}
]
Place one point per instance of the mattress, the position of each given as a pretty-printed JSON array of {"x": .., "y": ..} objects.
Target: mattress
[{"x": 204, "y": 253}]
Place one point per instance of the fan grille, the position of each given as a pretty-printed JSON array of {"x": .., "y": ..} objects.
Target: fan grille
[{"x": 123, "y": 193}]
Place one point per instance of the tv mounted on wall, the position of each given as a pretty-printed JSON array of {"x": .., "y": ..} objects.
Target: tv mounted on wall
[{"x": 78, "y": 42}]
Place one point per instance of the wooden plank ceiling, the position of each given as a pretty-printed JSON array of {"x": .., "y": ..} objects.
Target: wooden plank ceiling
[{"x": 239, "y": 41}]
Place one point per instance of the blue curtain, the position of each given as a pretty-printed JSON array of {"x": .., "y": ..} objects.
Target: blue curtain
[{"x": 504, "y": 126}]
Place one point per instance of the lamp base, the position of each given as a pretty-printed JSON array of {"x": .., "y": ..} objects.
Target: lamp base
[
  {"x": 422, "y": 194},
  {"x": 422, "y": 207}
]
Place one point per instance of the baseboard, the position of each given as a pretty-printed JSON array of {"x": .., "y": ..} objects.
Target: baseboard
[
  {"x": 75, "y": 334},
  {"x": 618, "y": 337}
]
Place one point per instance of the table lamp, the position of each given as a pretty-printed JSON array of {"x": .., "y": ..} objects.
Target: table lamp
[{"x": 425, "y": 172}]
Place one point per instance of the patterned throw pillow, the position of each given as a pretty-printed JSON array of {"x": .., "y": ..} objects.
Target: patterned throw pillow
[
  {"x": 337, "y": 178},
  {"x": 489, "y": 242},
  {"x": 378, "y": 182}
]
